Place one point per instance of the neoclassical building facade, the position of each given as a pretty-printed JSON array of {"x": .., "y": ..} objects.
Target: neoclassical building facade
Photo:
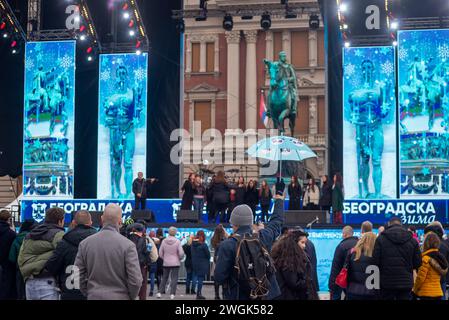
[{"x": 225, "y": 78}]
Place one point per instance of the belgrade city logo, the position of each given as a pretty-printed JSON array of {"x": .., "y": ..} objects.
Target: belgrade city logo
[{"x": 38, "y": 213}]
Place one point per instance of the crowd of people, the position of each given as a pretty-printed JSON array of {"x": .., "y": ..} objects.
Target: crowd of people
[
  {"x": 221, "y": 196},
  {"x": 255, "y": 262}
]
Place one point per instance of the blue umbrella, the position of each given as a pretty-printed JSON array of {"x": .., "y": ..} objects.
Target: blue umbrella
[{"x": 281, "y": 148}]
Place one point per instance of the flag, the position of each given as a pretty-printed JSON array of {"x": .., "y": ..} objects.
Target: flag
[{"x": 263, "y": 110}]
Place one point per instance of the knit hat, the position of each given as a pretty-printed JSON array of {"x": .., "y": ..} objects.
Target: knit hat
[{"x": 242, "y": 216}]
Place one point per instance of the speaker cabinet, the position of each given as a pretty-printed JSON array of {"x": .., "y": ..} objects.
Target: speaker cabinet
[
  {"x": 304, "y": 217},
  {"x": 187, "y": 216}
]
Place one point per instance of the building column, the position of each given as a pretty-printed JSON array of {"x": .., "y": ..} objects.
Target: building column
[
  {"x": 217, "y": 55},
  {"x": 313, "y": 115},
  {"x": 188, "y": 55},
  {"x": 268, "y": 51},
  {"x": 203, "y": 56},
  {"x": 233, "y": 85},
  {"x": 251, "y": 80},
  {"x": 313, "y": 48},
  {"x": 287, "y": 44}
]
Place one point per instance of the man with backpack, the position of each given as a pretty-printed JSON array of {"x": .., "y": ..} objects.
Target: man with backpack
[
  {"x": 244, "y": 266},
  {"x": 146, "y": 253}
]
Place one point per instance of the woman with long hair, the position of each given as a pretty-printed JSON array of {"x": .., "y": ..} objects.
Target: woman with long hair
[
  {"x": 240, "y": 190},
  {"x": 200, "y": 262},
  {"x": 265, "y": 197},
  {"x": 218, "y": 237},
  {"x": 199, "y": 195},
  {"x": 252, "y": 196},
  {"x": 360, "y": 258},
  {"x": 337, "y": 199},
  {"x": 294, "y": 193},
  {"x": 434, "y": 266},
  {"x": 312, "y": 196},
  {"x": 326, "y": 194},
  {"x": 188, "y": 193},
  {"x": 293, "y": 268},
  {"x": 221, "y": 196}
]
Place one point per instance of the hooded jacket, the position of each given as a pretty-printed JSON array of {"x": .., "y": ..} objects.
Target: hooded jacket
[
  {"x": 200, "y": 258},
  {"x": 64, "y": 256},
  {"x": 396, "y": 254},
  {"x": 37, "y": 248},
  {"x": 171, "y": 252},
  {"x": 434, "y": 266},
  {"x": 341, "y": 252}
]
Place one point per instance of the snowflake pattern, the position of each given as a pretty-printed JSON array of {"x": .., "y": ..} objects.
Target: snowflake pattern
[
  {"x": 350, "y": 70},
  {"x": 140, "y": 74},
  {"x": 403, "y": 54},
  {"x": 387, "y": 68},
  {"x": 29, "y": 64},
  {"x": 105, "y": 75},
  {"x": 443, "y": 51},
  {"x": 385, "y": 50},
  {"x": 358, "y": 53},
  {"x": 66, "y": 62}
]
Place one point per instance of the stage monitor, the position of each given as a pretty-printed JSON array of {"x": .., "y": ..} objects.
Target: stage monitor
[
  {"x": 122, "y": 127},
  {"x": 48, "y": 145},
  {"x": 423, "y": 63},
  {"x": 369, "y": 123}
]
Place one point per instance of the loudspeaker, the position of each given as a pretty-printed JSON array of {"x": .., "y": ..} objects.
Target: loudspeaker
[
  {"x": 304, "y": 217},
  {"x": 145, "y": 215},
  {"x": 187, "y": 216}
]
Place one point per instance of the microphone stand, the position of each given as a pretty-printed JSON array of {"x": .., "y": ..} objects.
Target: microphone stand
[{"x": 310, "y": 224}]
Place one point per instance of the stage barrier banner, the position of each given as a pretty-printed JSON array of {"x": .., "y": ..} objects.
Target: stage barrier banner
[
  {"x": 369, "y": 123},
  {"x": 48, "y": 145},
  {"x": 423, "y": 65},
  {"x": 122, "y": 127}
]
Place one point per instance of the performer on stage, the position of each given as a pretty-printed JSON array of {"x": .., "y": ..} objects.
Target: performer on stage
[{"x": 139, "y": 190}]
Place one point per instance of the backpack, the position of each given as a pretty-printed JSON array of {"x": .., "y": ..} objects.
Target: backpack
[
  {"x": 253, "y": 266},
  {"x": 142, "y": 249}
]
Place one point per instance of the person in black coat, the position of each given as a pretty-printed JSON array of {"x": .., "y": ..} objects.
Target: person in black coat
[
  {"x": 294, "y": 193},
  {"x": 221, "y": 196},
  {"x": 65, "y": 254},
  {"x": 187, "y": 247},
  {"x": 187, "y": 197},
  {"x": 240, "y": 190},
  {"x": 311, "y": 253},
  {"x": 7, "y": 269},
  {"x": 396, "y": 254},
  {"x": 358, "y": 261},
  {"x": 200, "y": 262},
  {"x": 326, "y": 194},
  {"x": 210, "y": 201},
  {"x": 293, "y": 268},
  {"x": 252, "y": 196},
  {"x": 342, "y": 250},
  {"x": 265, "y": 197}
]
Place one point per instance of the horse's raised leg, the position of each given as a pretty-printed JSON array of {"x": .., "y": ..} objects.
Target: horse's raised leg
[
  {"x": 282, "y": 117},
  {"x": 292, "y": 120}
]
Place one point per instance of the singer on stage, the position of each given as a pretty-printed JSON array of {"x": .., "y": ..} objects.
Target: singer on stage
[{"x": 141, "y": 188}]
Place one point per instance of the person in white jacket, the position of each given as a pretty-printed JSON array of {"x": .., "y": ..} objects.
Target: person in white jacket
[{"x": 311, "y": 196}]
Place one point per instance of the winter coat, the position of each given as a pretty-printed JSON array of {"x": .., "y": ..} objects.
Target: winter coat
[
  {"x": 396, "y": 254},
  {"x": 15, "y": 247},
  {"x": 7, "y": 269},
  {"x": 443, "y": 249},
  {"x": 326, "y": 194},
  {"x": 338, "y": 261},
  {"x": 139, "y": 186},
  {"x": 108, "y": 266},
  {"x": 188, "y": 253},
  {"x": 37, "y": 248},
  {"x": 337, "y": 198},
  {"x": 265, "y": 199},
  {"x": 142, "y": 250},
  {"x": 171, "y": 252},
  {"x": 295, "y": 285},
  {"x": 187, "y": 197},
  {"x": 427, "y": 283},
  {"x": 200, "y": 258},
  {"x": 252, "y": 198},
  {"x": 220, "y": 193},
  {"x": 7, "y": 237},
  {"x": 64, "y": 256},
  {"x": 224, "y": 270},
  {"x": 311, "y": 254},
  {"x": 357, "y": 275},
  {"x": 312, "y": 197},
  {"x": 240, "y": 195},
  {"x": 295, "y": 197}
]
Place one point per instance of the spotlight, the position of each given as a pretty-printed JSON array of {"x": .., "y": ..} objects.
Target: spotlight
[
  {"x": 126, "y": 15},
  {"x": 314, "y": 21},
  {"x": 132, "y": 33},
  {"x": 90, "y": 50},
  {"x": 228, "y": 23},
  {"x": 82, "y": 28},
  {"x": 394, "y": 25},
  {"x": 347, "y": 44},
  {"x": 131, "y": 23},
  {"x": 2, "y": 25},
  {"x": 138, "y": 52},
  {"x": 13, "y": 44},
  {"x": 14, "y": 51},
  {"x": 345, "y": 26},
  {"x": 265, "y": 22},
  {"x": 395, "y": 43},
  {"x": 77, "y": 18},
  {"x": 343, "y": 7},
  {"x": 5, "y": 35},
  {"x": 83, "y": 37},
  {"x": 90, "y": 58}
]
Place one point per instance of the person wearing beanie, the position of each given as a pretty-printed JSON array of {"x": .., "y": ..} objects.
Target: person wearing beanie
[
  {"x": 241, "y": 220},
  {"x": 437, "y": 228}
]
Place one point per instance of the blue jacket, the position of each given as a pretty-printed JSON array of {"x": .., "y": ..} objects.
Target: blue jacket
[
  {"x": 200, "y": 258},
  {"x": 224, "y": 269}
]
